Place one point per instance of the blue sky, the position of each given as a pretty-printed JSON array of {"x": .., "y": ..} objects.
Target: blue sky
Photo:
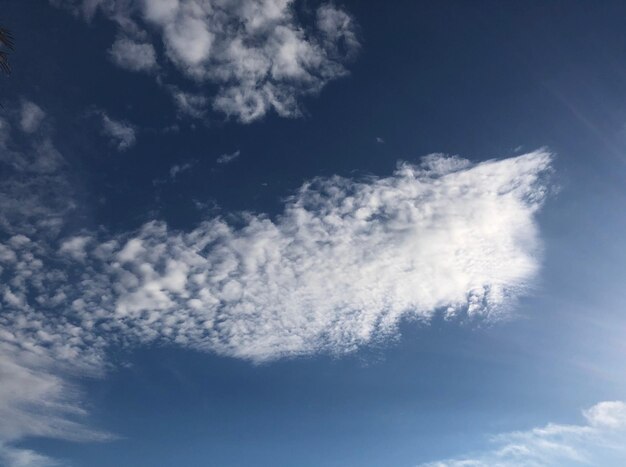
[{"x": 310, "y": 233}]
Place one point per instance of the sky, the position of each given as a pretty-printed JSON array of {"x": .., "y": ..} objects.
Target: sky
[{"x": 313, "y": 233}]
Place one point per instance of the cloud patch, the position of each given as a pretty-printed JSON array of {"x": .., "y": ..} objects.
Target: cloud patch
[
  {"x": 31, "y": 116},
  {"x": 227, "y": 158},
  {"x": 37, "y": 396},
  {"x": 177, "y": 169},
  {"x": 133, "y": 55},
  {"x": 340, "y": 267},
  {"x": 600, "y": 441},
  {"x": 343, "y": 264},
  {"x": 259, "y": 55},
  {"x": 121, "y": 133},
  {"x": 189, "y": 104},
  {"x": 35, "y": 196}
]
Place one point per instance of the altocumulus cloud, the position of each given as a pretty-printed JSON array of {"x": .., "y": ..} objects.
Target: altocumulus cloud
[
  {"x": 343, "y": 264},
  {"x": 37, "y": 394},
  {"x": 600, "y": 441},
  {"x": 258, "y": 53}
]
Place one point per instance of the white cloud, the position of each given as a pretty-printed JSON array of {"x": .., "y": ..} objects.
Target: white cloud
[
  {"x": 601, "y": 441},
  {"x": 343, "y": 264},
  {"x": 610, "y": 414},
  {"x": 193, "y": 105},
  {"x": 121, "y": 133},
  {"x": 258, "y": 53},
  {"x": 133, "y": 55},
  {"x": 338, "y": 30},
  {"x": 34, "y": 196},
  {"x": 177, "y": 169},
  {"x": 14, "y": 457},
  {"x": 358, "y": 256},
  {"x": 31, "y": 116},
  {"x": 228, "y": 158},
  {"x": 37, "y": 397},
  {"x": 75, "y": 247}
]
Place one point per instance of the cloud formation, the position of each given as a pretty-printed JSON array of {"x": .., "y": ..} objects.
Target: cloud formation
[
  {"x": 37, "y": 395},
  {"x": 31, "y": 116},
  {"x": 343, "y": 264},
  {"x": 177, "y": 169},
  {"x": 260, "y": 55},
  {"x": 35, "y": 196},
  {"x": 133, "y": 55},
  {"x": 600, "y": 441},
  {"x": 340, "y": 267},
  {"x": 227, "y": 158},
  {"x": 38, "y": 398},
  {"x": 121, "y": 133}
]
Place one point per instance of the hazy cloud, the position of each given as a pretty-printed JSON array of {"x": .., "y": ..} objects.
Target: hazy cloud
[
  {"x": 37, "y": 397},
  {"x": 600, "y": 441},
  {"x": 192, "y": 105},
  {"x": 228, "y": 158},
  {"x": 31, "y": 116},
  {"x": 132, "y": 55},
  {"x": 34, "y": 195},
  {"x": 121, "y": 133}
]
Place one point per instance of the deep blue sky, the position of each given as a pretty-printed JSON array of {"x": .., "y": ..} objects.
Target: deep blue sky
[{"x": 477, "y": 79}]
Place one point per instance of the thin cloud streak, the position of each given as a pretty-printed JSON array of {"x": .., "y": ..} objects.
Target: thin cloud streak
[
  {"x": 228, "y": 158},
  {"x": 600, "y": 441}
]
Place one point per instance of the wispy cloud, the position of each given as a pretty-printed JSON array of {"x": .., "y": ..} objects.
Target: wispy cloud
[
  {"x": 600, "y": 441},
  {"x": 31, "y": 116},
  {"x": 177, "y": 169},
  {"x": 34, "y": 195},
  {"x": 120, "y": 132},
  {"x": 16, "y": 457},
  {"x": 133, "y": 55},
  {"x": 37, "y": 397},
  {"x": 192, "y": 105},
  {"x": 227, "y": 158},
  {"x": 257, "y": 53}
]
